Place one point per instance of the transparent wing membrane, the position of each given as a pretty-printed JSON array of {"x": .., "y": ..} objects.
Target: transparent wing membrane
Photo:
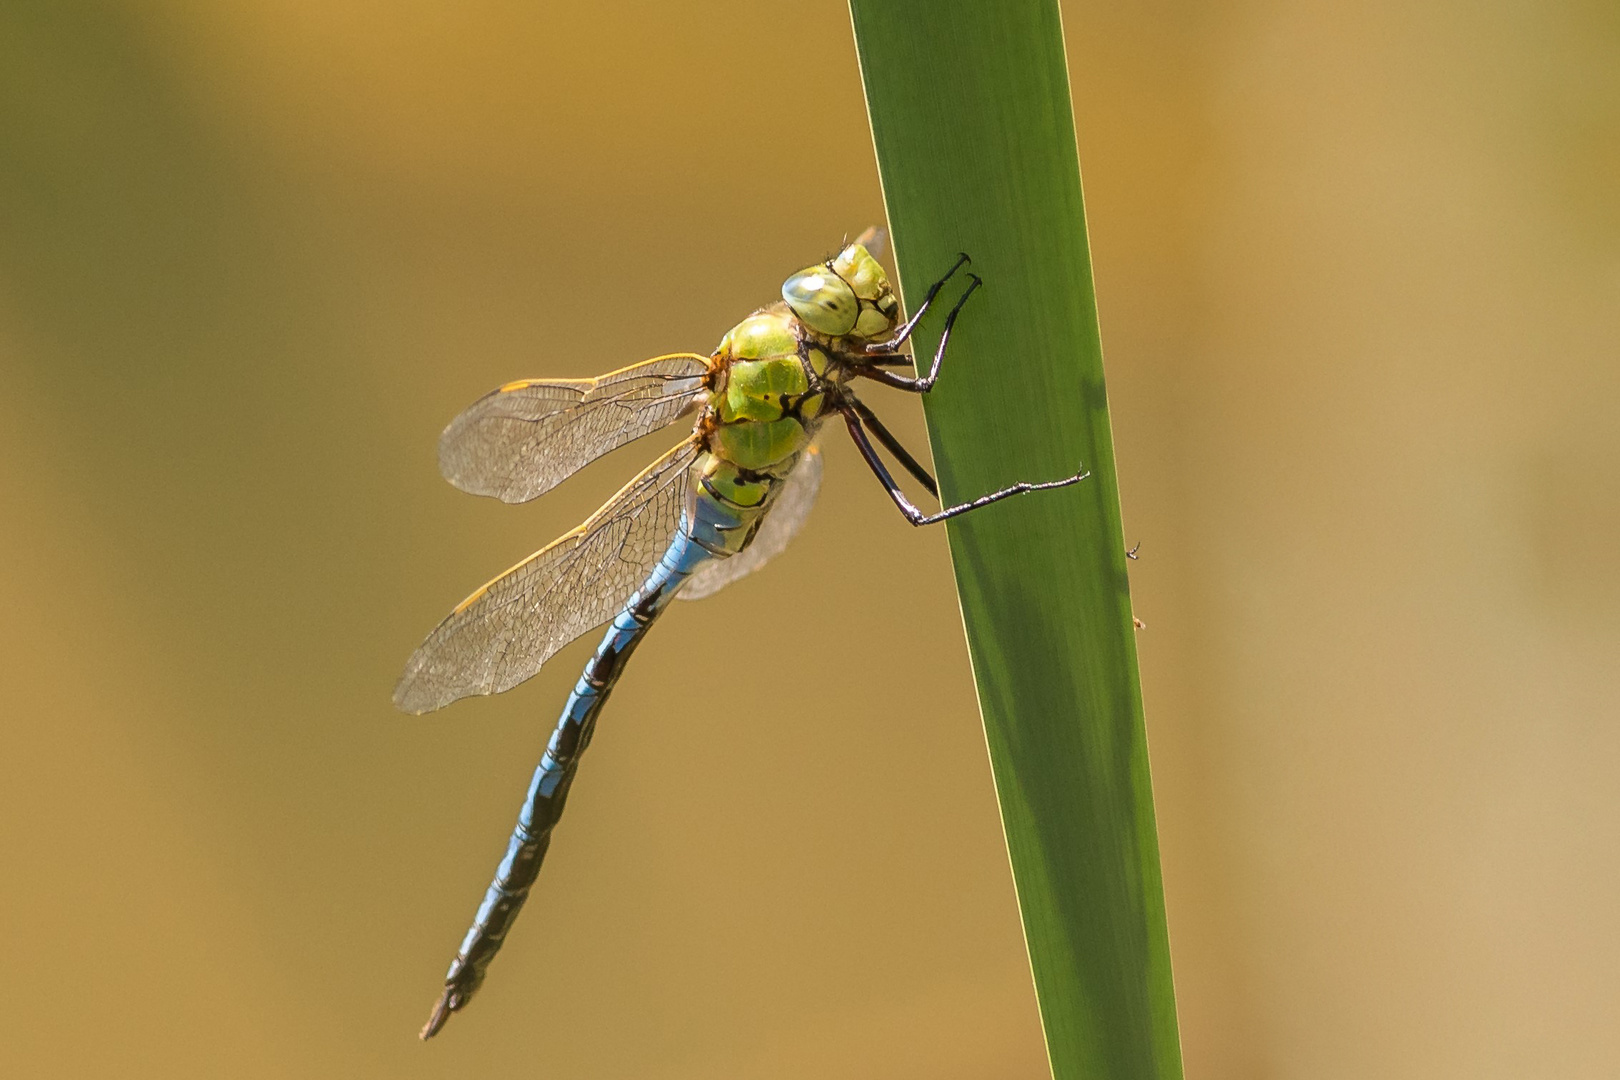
[
  {"x": 501, "y": 634},
  {"x": 782, "y": 523},
  {"x": 874, "y": 238},
  {"x": 524, "y": 439}
]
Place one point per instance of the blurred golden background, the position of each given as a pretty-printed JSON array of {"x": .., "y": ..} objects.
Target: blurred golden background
[{"x": 1359, "y": 273}]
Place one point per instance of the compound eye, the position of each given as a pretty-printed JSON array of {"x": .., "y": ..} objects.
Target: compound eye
[{"x": 822, "y": 300}]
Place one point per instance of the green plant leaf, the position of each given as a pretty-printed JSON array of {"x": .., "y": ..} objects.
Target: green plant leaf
[{"x": 970, "y": 110}]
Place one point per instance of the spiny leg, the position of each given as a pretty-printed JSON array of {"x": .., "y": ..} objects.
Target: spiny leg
[
  {"x": 926, "y": 382},
  {"x": 917, "y": 517},
  {"x": 893, "y": 445},
  {"x": 904, "y": 332}
]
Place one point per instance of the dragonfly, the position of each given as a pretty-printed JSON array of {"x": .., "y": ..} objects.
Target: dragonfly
[{"x": 711, "y": 510}]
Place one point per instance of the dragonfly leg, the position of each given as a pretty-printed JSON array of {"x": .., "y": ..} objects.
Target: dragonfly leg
[
  {"x": 917, "y": 517},
  {"x": 893, "y": 445},
  {"x": 926, "y": 383},
  {"x": 904, "y": 332}
]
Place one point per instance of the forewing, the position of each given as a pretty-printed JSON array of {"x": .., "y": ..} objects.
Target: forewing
[
  {"x": 782, "y": 523},
  {"x": 501, "y": 634},
  {"x": 875, "y": 238},
  {"x": 524, "y": 439}
]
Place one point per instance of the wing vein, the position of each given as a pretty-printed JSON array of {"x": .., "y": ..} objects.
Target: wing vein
[{"x": 505, "y": 631}]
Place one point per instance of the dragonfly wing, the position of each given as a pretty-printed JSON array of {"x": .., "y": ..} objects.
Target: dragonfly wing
[
  {"x": 782, "y": 523},
  {"x": 875, "y": 238},
  {"x": 524, "y": 439},
  {"x": 501, "y": 634}
]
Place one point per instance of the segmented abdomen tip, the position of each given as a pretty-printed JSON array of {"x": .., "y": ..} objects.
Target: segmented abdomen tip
[{"x": 441, "y": 1013}]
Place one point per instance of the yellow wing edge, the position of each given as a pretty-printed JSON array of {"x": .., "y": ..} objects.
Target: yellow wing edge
[{"x": 591, "y": 383}]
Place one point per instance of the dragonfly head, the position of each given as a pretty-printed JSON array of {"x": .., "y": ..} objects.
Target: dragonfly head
[{"x": 848, "y": 295}]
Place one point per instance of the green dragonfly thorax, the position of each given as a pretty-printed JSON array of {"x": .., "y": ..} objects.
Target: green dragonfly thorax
[
  {"x": 765, "y": 404},
  {"x": 777, "y": 375}
]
